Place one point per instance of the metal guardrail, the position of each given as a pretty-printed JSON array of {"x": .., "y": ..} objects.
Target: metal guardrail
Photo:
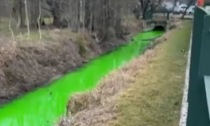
[{"x": 199, "y": 81}]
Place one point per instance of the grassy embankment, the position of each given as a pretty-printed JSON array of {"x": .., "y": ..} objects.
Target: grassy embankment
[
  {"x": 46, "y": 56},
  {"x": 145, "y": 92},
  {"x": 155, "y": 97}
]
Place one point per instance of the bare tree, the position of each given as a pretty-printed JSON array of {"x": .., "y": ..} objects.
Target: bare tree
[
  {"x": 99, "y": 17},
  {"x": 175, "y": 2},
  {"x": 19, "y": 12},
  {"x": 149, "y": 6},
  {"x": 38, "y": 20},
  {"x": 10, "y": 28},
  {"x": 27, "y": 18},
  {"x": 33, "y": 6},
  {"x": 188, "y": 5}
]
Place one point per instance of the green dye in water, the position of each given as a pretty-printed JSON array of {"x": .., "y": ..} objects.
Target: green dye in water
[{"x": 44, "y": 106}]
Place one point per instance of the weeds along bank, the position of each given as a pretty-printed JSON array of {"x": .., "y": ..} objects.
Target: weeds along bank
[
  {"x": 98, "y": 107},
  {"x": 141, "y": 92},
  {"x": 25, "y": 65},
  {"x": 29, "y": 63}
]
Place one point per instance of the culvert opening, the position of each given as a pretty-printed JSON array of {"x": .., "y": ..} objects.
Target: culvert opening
[{"x": 159, "y": 28}]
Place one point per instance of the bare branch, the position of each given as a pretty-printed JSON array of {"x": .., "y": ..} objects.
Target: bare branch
[
  {"x": 38, "y": 20},
  {"x": 27, "y": 18}
]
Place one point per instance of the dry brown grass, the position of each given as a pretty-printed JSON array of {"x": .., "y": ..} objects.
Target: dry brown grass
[
  {"x": 29, "y": 66},
  {"x": 155, "y": 98},
  {"x": 147, "y": 91},
  {"x": 97, "y": 107},
  {"x": 25, "y": 65},
  {"x": 28, "y": 63},
  {"x": 132, "y": 24}
]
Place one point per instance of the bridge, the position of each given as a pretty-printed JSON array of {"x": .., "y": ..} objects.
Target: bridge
[{"x": 156, "y": 23}]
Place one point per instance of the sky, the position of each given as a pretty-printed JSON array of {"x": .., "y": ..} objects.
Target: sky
[{"x": 182, "y": 1}]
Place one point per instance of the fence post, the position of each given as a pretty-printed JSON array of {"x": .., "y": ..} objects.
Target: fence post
[{"x": 204, "y": 67}]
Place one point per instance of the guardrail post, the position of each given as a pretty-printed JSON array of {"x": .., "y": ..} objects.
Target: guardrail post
[{"x": 204, "y": 67}]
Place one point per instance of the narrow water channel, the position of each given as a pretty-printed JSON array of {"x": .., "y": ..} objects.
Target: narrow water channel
[{"x": 44, "y": 106}]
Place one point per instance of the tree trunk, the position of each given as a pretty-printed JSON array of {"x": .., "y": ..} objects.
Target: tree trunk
[
  {"x": 27, "y": 18},
  {"x": 22, "y": 14},
  {"x": 56, "y": 11},
  {"x": 19, "y": 13},
  {"x": 185, "y": 11},
  {"x": 87, "y": 13},
  {"x": 34, "y": 12},
  {"x": 56, "y": 19}
]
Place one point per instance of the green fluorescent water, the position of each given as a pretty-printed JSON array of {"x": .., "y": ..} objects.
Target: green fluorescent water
[{"x": 46, "y": 105}]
